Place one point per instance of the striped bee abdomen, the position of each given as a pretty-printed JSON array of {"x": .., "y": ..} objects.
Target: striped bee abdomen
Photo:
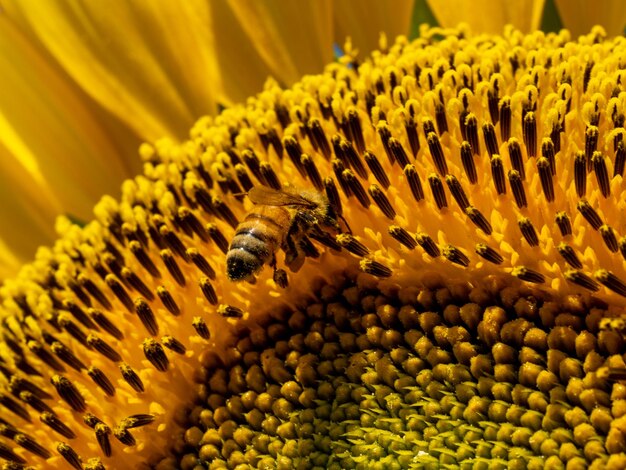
[{"x": 256, "y": 240}]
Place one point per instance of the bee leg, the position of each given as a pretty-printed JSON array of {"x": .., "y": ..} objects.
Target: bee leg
[
  {"x": 280, "y": 278},
  {"x": 345, "y": 222},
  {"x": 308, "y": 248}
]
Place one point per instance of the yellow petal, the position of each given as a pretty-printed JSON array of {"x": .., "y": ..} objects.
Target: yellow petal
[
  {"x": 293, "y": 38},
  {"x": 579, "y": 15},
  {"x": 139, "y": 60},
  {"x": 363, "y": 21},
  {"x": 487, "y": 16},
  {"x": 60, "y": 157}
]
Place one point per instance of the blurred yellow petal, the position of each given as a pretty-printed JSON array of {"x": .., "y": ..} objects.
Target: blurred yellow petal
[
  {"x": 294, "y": 38},
  {"x": 58, "y": 157},
  {"x": 362, "y": 21},
  {"x": 580, "y": 15},
  {"x": 487, "y": 16},
  {"x": 139, "y": 60}
]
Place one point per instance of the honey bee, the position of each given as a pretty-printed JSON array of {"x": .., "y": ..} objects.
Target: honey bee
[{"x": 279, "y": 220}]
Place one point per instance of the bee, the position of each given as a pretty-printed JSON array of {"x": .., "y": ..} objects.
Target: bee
[{"x": 279, "y": 220}]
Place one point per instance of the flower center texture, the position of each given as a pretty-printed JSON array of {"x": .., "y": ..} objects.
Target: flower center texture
[{"x": 426, "y": 268}]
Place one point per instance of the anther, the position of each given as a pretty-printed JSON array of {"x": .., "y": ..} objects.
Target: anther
[
  {"x": 478, "y": 219},
  {"x": 73, "y": 329},
  {"x": 354, "y": 124},
  {"x": 208, "y": 291},
  {"x": 173, "y": 344},
  {"x": 528, "y": 275},
  {"x": 356, "y": 188},
  {"x": 190, "y": 220},
  {"x": 589, "y": 214},
  {"x": 42, "y": 353},
  {"x": 610, "y": 240},
  {"x": 569, "y": 255},
  {"x": 385, "y": 137},
  {"x": 136, "y": 283},
  {"x": 131, "y": 378},
  {"x": 101, "y": 380},
  {"x": 436, "y": 187},
  {"x": 610, "y": 281},
  {"x": 471, "y": 131},
  {"x": 505, "y": 119},
  {"x": 34, "y": 402},
  {"x": 201, "y": 327},
  {"x": 102, "y": 436},
  {"x": 353, "y": 158},
  {"x": 440, "y": 117},
  {"x": 382, "y": 201},
  {"x": 545, "y": 176},
  {"x": 515, "y": 155},
  {"x": 7, "y": 453},
  {"x": 436, "y": 151},
  {"x": 94, "y": 291},
  {"x": 338, "y": 170},
  {"x": 587, "y": 75},
  {"x": 529, "y": 132},
  {"x": 270, "y": 177},
  {"x": 467, "y": 159},
  {"x": 224, "y": 212},
  {"x": 68, "y": 393},
  {"x": 517, "y": 187},
  {"x": 351, "y": 244},
  {"x": 414, "y": 182},
  {"x": 457, "y": 191},
  {"x": 203, "y": 198},
  {"x": 14, "y": 407},
  {"x": 172, "y": 266},
  {"x": 173, "y": 242},
  {"x": 497, "y": 173},
  {"x": 146, "y": 316},
  {"x": 412, "y": 136},
  {"x": 137, "y": 420},
  {"x": 374, "y": 268},
  {"x": 489, "y": 253},
  {"x": 620, "y": 159},
  {"x": 397, "y": 150},
  {"x": 31, "y": 445},
  {"x": 55, "y": 423},
  {"x": 76, "y": 289},
  {"x": 229, "y": 311},
  {"x": 591, "y": 143},
  {"x": 310, "y": 170},
  {"x": 581, "y": 279},
  {"x": 428, "y": 244},
  {"x": 103, "y": 348},
  {"x": 491, "y": 141},
  {"x": 118, "y": 289},
  {"x": 428, "y": 126},
  {"x": 294, "y": 150},
  {"x": 200, "y": 262},
  {"x": 602, "y": 175},
  {"x": 453, "y": 254},
  {"x": 218, "y": 238},
  {"x": 319, "y": 137},
  {"x": 124, "y": 436},
  {"x": 401, "y": 235},
  {"x": 333, "y": 196},
  {"x": 376, "y": 169},
  {"x": 243, "y": 177},
  {"x": 204, "y": 175},
  {"x": 70, "y": 455},
  {"x": 103, "y": 322},
  {"x": 155, "y": 353},
  {"x": 112, "y": 263},
  {"x": 254, "y": 165},
  {"x": 564, "y": 224},
  {"x": 168, "y": 301},
  {"x": 547, "y": 151},
  {"x": 143, "y": 258},
  {"x": 528, "y": 231}
]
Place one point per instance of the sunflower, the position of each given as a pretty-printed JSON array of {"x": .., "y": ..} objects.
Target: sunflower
[{"x": 448, "y": 290}]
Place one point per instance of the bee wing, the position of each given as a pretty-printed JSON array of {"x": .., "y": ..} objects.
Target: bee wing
[{"x": 274, "y": 197}]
